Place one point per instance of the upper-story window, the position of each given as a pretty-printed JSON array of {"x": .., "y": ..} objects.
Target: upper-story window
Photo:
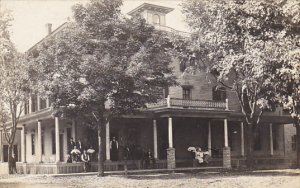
[
  {"x": 156, "y": 19},
  {"x": 186, "y": 93},
  {"x": 43, "y": 103},
  {"x": 34, "y": 103},
  {"x": 26, "y": 107},
  {"x": 219, "y": 93}
]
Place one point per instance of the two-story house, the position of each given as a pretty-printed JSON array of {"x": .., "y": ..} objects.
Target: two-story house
[{"x": 196, "y": 113}]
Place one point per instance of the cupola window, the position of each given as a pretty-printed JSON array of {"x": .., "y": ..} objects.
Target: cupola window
[{"x": 156, "y": 19}]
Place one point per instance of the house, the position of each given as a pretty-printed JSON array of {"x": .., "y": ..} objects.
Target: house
[{"x": 196, "y": 113}]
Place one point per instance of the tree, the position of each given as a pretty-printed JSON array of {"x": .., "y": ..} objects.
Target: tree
[
  {"x": 13, "y": 84},
  {"x": 241, "y": 42},
  {"x": 288, "y": 87},
  {"x": 287, "y": 74},
  {"x": 102, "y": 60}
]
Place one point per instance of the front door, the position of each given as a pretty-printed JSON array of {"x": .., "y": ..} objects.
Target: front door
[
  {"x": 5, "y": 153},
  {"x": 61, "y": 146}
]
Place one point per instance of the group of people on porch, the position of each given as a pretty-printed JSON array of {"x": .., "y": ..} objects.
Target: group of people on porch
[
  {"x": 132, "y": 152},
  {"x": 78, "y": 150},
  {"x": 202, "y": 157}
]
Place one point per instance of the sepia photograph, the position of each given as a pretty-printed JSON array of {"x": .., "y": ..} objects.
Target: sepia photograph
[{"x": 149, "y": 93}]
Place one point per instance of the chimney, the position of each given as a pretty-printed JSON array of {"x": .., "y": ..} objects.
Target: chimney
[{"x": 48, "y": 28}]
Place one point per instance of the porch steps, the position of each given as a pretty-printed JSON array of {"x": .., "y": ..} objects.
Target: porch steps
[{"x": 146, "y": 171}]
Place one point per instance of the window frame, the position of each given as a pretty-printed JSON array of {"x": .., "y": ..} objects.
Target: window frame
[
  {"x": 186, "y": 93},
  {"x": 219, "y": 93},
  {"x": 156, "y": 17}
]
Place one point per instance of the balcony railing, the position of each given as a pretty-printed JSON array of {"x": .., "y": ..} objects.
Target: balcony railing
[{"x": 192, "y": 104}]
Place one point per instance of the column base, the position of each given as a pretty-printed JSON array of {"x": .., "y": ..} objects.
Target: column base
[
  {"x": 226, "y": 158},
  {"x": 171, "y": 161}
]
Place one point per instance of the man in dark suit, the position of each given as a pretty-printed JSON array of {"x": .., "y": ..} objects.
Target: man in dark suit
[
  {"x": 149, "y": 159},
  {"x": 114, "y": 146},
  {"x": 71, "y": 145},
  {"x": 80, "y": 146}
]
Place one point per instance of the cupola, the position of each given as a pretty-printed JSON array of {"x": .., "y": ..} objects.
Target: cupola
[{"x": 153, "y": 14}]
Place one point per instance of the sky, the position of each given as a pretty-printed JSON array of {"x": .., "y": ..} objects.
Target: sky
[{"x": 30, "y": 17}]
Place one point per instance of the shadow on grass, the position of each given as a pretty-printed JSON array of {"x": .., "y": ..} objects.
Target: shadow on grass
[{"x": 212, "y": 175}]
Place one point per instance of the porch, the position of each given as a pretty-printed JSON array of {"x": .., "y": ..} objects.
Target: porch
[{"x": 136, "y": 166}]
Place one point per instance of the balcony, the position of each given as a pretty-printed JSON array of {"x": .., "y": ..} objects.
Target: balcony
[{"x": 189, "y": 104}]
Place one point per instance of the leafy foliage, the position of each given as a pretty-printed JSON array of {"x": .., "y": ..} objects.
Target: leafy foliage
[
  {"x": 14, "y": 82},
  {"x": 102, "y": 60},
  {"x": 243, "y": 43}
]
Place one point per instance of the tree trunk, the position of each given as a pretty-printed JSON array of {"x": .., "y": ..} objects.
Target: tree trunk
[
  {"x": 101, "y": 149},
  {"x": 10, "y": 150},
  {"x": 250, "y": 144},
  {"x": 298, "y": 143}
]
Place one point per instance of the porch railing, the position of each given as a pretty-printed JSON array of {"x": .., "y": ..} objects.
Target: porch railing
[{"x": 193, "y": 104}]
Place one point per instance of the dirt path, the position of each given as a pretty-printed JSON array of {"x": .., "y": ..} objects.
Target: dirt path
[{"x": 256, "y": 179}]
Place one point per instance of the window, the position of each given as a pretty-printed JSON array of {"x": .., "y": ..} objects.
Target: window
[
  {"x": 294, "y": 142},
  {"x": 275, "y": 134},
  {"x": 33, "y": 143},
  {"x": 186, "y": 93},
  {"x": 33, "y": 103},
  {"x": 43, "y": 104},
  {"x": 257, "y": 141},
  {"x": 53, "y": 142},
  {"x": 43, "y": 141},
  {"x": 219, "y": 93},
  {"x": 166, "y": 92},
  {"x": 26, "y": 107},
  {"x": 156, "y": 19}
]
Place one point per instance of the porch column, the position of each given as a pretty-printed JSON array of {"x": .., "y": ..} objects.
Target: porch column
[
  {"x": 209, "y": 138},
  {"x": 57, "y": 148},
  {"x": 171, "y": 163},
  {"x": 39, "y": 143},
  {"x": 170, "y": 132},
  {"x": 1, "y": 146},
  {"x": 155, "y": 138},
  {"x": 226, "y": 149},
  {"x": 23, "y": 145},
  {"x": 271, "y": 139},
  {"x": 73, "y": 133},
  {"x": 225, "y": 133},
  {"x": 242, "y": 140},
  {"x": 107, "y": 141}
]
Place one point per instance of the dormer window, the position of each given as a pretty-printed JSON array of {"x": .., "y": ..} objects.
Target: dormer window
[{"x": 156, "y": 19}]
